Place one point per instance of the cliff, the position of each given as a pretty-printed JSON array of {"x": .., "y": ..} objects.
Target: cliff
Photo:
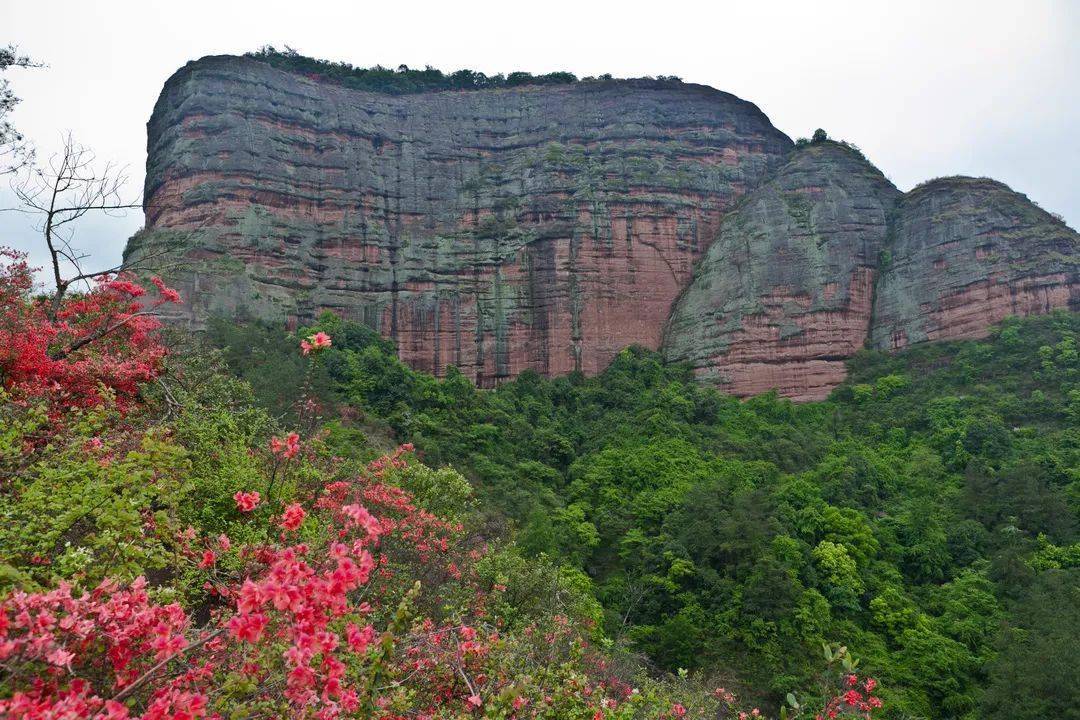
[
  {"x": 967, "y": 253},
  {"x": 827, "y": 256},
  {"x": 784, "y": 295},
  {"x": 548, "y": 226},
  {"x": 540, "y": 227}
]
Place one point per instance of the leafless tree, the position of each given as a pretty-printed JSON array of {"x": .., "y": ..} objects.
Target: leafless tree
[{"x": 72, "y": 185}]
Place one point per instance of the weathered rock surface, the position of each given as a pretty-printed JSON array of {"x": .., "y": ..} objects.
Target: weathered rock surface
[
  {"x": 496, "y": 230},
  {"x": 548, "y": 227},
  {"x": 828, "y": 256},
  {"x": 784, "y": 295},
  {"x": 967, "y": 253}
]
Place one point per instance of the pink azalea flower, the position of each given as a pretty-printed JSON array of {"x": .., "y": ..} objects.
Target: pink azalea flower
[
  {"x": 293, "y": 516},
  {"x": 246, "y": 501}
]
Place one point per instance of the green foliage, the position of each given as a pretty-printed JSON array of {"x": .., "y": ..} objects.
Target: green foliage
[
  {"x": 905, "y": 517},
  {"x": 77, "y": 512},
  {"x": 403, "y": 80},
  {"x": 1034, "y": 676}
]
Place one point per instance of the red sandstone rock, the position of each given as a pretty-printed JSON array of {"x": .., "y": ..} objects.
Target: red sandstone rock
[{"x": 495, "y": 230}]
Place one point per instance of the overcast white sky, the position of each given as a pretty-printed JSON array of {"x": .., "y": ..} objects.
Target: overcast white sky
[{"x": 925, "y": 88}]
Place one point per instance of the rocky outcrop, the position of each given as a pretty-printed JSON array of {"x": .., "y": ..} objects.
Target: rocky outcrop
[
  {"x": 496, "y": 230},
  {"x": 967, "y": 253},
  {"x": 784, "y": 295},
  {"x": 828, "y": 256},
  {"x": 547, "y": 227}
]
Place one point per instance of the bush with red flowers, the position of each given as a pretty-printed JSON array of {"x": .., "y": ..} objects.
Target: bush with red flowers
[
  {"x": 91, "y": 346},
  {"x": 164, "y": 560}
]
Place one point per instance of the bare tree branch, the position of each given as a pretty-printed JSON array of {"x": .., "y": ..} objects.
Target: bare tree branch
[{"x": 71, "y": 186}]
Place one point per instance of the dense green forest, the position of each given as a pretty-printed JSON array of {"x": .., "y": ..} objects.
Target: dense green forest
[{"x": 925, "y": 515}]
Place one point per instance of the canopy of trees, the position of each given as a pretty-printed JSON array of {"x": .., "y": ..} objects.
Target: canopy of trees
[
  {"x": 909, "y": 517},
  {"x": 403, "y": 79}
]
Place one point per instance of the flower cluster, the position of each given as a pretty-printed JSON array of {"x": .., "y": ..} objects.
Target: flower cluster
[
  {"x": 293, "y": 517},
  {"x": 82, "y": 349},
  {"x": 114, "y": 635},
  {"x": 287, "y": 448},
  {"x": 858, "y": 701},
  {"x": 246, "y": 501},
  {"x": 315, "y": 343},
  {"x": 112, "y": 650}
]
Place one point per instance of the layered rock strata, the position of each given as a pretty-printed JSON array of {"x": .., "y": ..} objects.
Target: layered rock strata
[
  {"x": 495, "y": 230},
  {"x": 967, "y": 253},
  {"x": 547, "y": 227}
]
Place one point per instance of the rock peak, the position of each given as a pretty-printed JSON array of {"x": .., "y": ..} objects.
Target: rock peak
[{"x": 785, "y": 294}]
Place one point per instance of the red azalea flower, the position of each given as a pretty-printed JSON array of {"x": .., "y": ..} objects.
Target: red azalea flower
[
  {"x": 293, "y": 516},
  {"x": 246, "y": 501}
]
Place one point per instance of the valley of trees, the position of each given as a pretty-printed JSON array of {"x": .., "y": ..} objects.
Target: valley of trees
[{"x": 925, "y": 516}]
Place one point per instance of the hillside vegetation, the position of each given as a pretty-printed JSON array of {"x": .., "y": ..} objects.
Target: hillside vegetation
[
  {"x": 298, "y": 525},
  {"x": 170, "y": 550},
  {"x": 925, "y": 515}
]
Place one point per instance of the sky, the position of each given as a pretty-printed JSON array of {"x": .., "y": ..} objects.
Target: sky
[{"x": 925, "y": 89}]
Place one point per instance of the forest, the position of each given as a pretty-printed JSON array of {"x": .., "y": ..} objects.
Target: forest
[{"x": 925, "y": 516}]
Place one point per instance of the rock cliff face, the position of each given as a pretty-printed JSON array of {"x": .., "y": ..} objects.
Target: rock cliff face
[
  {"x": 496, "y": 230},
  {"x": 828, "y": 256},
  {"x": 967, "y": 253},
  {"x": 548, "y": 227},
  {"x": 784, "y": 295}
]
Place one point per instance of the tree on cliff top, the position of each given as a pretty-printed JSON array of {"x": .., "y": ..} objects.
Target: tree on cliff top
[{"x": 403, "y": 80}]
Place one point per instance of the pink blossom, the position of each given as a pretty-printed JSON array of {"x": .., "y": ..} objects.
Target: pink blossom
[
  {"x": 359, "y": 639},
  {"x": 247, "y": 627},
  {"x": 314, "y": 343},
  {"x": 358, "y": 515},
  {"x": 293, "y": 516},
  {"x": 287, "y": 448},
  {"x": 59, "y": 657},
  {"x": 246, "y": 501},
  {"x": 167, "y": 293}
]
